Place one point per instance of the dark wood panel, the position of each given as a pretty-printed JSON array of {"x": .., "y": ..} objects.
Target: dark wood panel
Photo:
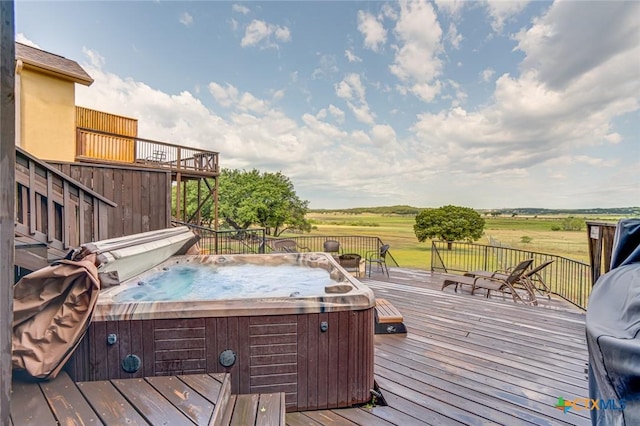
[
  {"x": 140, "y": 195},
  {"x": 303, "y": 355},
  {"x": 244, "y": 356}
]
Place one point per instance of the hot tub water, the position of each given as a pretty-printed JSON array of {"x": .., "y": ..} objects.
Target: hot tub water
[{"x": 208, "y": 282}]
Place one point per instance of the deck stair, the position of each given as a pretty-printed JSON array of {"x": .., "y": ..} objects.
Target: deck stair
[
  {"x": 200, "y": 399},
  {"x": 389, "y": 320}
]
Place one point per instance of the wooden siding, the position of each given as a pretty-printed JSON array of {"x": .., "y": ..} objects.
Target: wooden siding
[
  {"x": 117, "y": 147},
  {"x": 280, "y": 353},
  {"x": 105, "y": 122},
  {"x": 141, "y": 195}
]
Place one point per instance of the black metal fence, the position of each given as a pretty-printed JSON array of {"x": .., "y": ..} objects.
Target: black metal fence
[
  {"x": 229, "y": 241},
  {"x": 354, "y": 244},
  {"x": 569, "y": 279},
  {"x": 255, "y": 241}
]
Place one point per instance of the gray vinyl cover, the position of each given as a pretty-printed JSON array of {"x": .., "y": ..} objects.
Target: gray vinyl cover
[{"x": 613, "y": 331}]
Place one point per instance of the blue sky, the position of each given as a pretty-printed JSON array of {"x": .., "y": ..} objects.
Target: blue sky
[{"x": 474, "y": 103}]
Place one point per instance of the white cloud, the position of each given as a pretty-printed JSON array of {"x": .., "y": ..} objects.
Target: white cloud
[
  {"x": 372, "y": 30},
  {"x": 501, "y": 11},
  {"x": 262, "y": 34},
  {"x": 186, "y": 19},
  {"x": 277, "y": 95},
  {"x": 94, "y": 57},
  {"x": 613, "y": 138},
  {"x": 383, "y": 134},
  {"x": 416, "y": 63},
  {"x": 353, "y": 92},
  {"x": 240, "y": 9},
  {"x": 21, "y": 38},
  {"x": 225, "y": 96},
  {"x": 569, "y": 41},
  {"x": 453, "y": 37},
  {"x": 327, "y": 66},
  {"x": 450, "y": 7},
  {"x": 530, "y": 122},
  {"x": 351, "y": 87},
  {"x": 352, "y": 57},
  {"x": 487, "y": 74},
  {"x": 538, "y": 130},
  {"x": 337, "y": 113}
]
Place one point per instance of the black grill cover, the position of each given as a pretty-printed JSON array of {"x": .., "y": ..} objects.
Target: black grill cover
[{"x": 613, "y": 332}]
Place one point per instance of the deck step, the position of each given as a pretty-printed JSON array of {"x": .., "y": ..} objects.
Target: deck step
[
  {"x": 389, "y": 320},
  {"x": 264, "y": 409}
]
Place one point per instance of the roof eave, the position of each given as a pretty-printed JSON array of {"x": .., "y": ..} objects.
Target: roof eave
[{"x": 76, "y": 78}]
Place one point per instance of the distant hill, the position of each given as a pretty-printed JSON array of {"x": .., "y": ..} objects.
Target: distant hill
[
  {"x": 401, "y": 210},
  {"x": 619, "y": 211},
  {"x": 410, "y": 210}
]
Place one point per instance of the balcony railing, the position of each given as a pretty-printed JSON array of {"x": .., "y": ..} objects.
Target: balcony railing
[
  {"x": 54, "y": 210},
  {"x": 93, "y": 145},
  {"x": 567, "y": 278}
]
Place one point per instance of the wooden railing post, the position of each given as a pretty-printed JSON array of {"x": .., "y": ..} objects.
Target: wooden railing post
[{"x": 7, "y": 200}]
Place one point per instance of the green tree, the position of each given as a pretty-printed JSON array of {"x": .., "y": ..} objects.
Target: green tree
[
  {"x": 449, "y": 223},
  {"x": 265, "y": 199},
  {"x": 572, "y": 224}
]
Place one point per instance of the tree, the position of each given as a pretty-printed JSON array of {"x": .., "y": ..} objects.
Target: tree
[
  {"x": 266, "y": 199},
  {"x": 449, "y": 223}
]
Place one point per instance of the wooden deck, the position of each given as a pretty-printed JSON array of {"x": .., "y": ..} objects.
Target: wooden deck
[
  {"x": 469, "y": 360},
  {"x": 464, "y": 360}
]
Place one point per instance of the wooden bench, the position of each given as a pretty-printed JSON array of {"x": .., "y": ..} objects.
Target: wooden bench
[{"x": 389, "y": 320}]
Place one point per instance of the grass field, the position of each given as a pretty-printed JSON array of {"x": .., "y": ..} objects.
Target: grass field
[{"x": 397, "y": 231}]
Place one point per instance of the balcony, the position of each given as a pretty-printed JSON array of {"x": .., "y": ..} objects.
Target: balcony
[{"x": 106, "y": 147}]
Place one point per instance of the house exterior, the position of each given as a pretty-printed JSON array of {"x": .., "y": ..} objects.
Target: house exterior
[
  {"x": 45, "y": 103},
  {"x": 99, "y": 151}
]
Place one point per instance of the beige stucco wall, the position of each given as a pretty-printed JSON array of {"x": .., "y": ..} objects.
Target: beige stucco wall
[{"x": 47, "y": 116}]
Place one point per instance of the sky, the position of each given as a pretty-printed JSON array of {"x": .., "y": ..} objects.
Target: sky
[{"x": 483, "y": 104}]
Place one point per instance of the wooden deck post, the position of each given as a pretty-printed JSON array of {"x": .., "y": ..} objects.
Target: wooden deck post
[{"x": 7, "y": 199}]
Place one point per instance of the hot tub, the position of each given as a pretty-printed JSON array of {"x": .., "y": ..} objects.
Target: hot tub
[{"x": 316, "y": 346}]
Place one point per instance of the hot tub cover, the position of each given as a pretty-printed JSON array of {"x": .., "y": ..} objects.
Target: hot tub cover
[
  {"x": 613, "y": 332},
  {"x": 52, "y": 308}
]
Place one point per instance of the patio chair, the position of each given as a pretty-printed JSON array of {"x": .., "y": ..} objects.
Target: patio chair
[
  {"x": 287, "y": 246},
  {"x": 157, "y": 157},
  {"x": 511, "y": 284},
  {"x": 378, "y": 257},
  {"x": 350, "y": 262},
  {"x": 534, "y": 277},
  {"x": 332, "y": 247}
]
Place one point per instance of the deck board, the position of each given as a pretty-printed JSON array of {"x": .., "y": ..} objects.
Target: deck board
[
  {"x": 109, "y": 404},
  {"x": 471, "y": 360},
  {"x": 465, "y": 360}
]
